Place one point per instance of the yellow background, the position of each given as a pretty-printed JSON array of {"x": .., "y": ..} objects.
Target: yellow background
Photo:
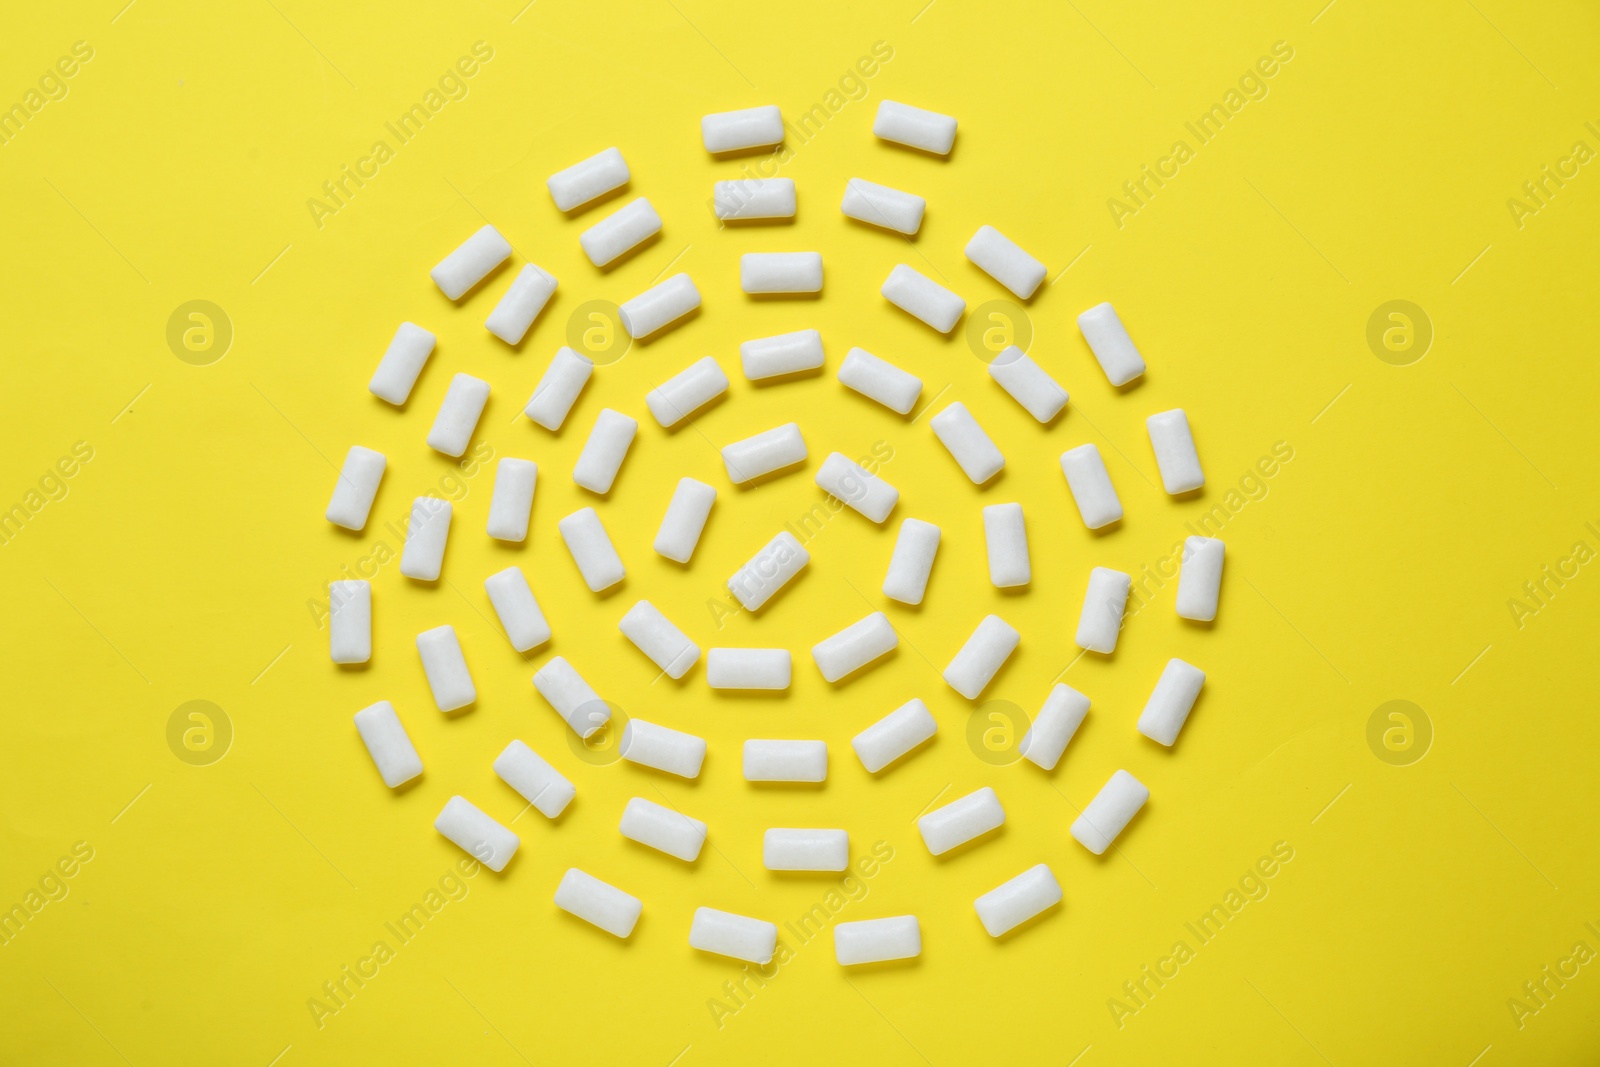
[{"x": 1376, "y": 566}]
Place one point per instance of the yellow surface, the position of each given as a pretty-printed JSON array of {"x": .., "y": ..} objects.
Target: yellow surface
[{"x": 184, "y": 558}]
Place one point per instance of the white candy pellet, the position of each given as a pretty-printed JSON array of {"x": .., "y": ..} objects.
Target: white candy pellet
[
  {"x": 665, "y": 830},
  {"x": 1118, "y": 801},
  {"x": 753, "y": 198},
  {"x": 1104, "y": 601},
  {"x": 749, "y": 668},
  {"x": 686, "y": 392},
  {"x": 471, "y": 262},
  {"x": 1092, "y": 491},
  {"x": 619, "y": 233},
  {"x": 563, "y": 380},
  {"x": 785, "y": 761},
  {"x": 659, "y": 306},
  {"x": 476, "y": 833},
  {"x": 790, "y": 849},
  {"x": 787, "y": 353},
  {"x": 591, "y": 550},
  {"x": 1170, "y": 703},
  {"x": 655, "y": 635},
  {"x": 1176, "y": 457},
  {"x": 663, "y": 748},
  {"x": 923, "y": 298},
  {"x": 426, "y": 534},
  {"x": 350, "y": 621},
  {"x": 766, "y": 452},
  {"x": 564, "y": 689},
  {"x": 894, "y": 735},
  {"x": 912, "y": 561},
  {"x": 735, "y": 131},
  {"x": 738, "y": 936},
  {"x": 1112, "y": 346},
  {"x": 388, "y": 744},
  {"x": 588, "y": 180},
  {"x": 855, "y": 646},
  {"x": 598, "y": 903},
  {"x": 1005, "y": 261},
  {"x": 981, "y": 658},
  {"x": 780, "y": 272},
  {"x": 529, "y": 774},
  {"x": 916, "y": 127},
  {"x": 401, "y": 363},
  {"x": 517, "y": 609},
  {"x": 1200, "y": 581},
  {"x": 604, "y": 451},
  {"x": 685, "y": 519},
  {"x": 512, "y": 502},
  {"x": 866, "y": 493},
  {"x": 1005, "y": 534},
  {"x": 961, "y": 435},
  {"x": 878, "y": 379},
  {"x": 879, "y": 205},
  {"x": 356, "y": 488},
  {"x": 1013, "y": 903},
  {"x": 530, "y": 291},
  {"x": 458, "y": 415},
  {"x": 960, "y": 821},
  {"x": 768, "y": 571},
  {"x": 1063, "y": 712},
  {"x": 446, "y": 668},
  {"x": 1039, "y": 394},
  {"x": 877, "y": 940}
]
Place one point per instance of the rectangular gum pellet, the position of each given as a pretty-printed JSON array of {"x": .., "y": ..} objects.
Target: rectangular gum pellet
[
  {"x": 356, "y": 488},
  {"x": 1200, "y": 580},
  {"x": 749, "y": 668},
  {"x": 668, "y": 647},
  {"x": 1005, "y": 535},
  {"x": 1118, "y": 801},
  {"x": 663, "y": 748},
  {"x": 1104, "y": 601},
  {"x": 588, "y": 180},
  {"x": 350, "y": 621},
  {"x": 659, "y": 306},
  {"x": 604, "y": 451},
  {"x": 685, "y": 519},
  {"x": 458, "y": 415},
  {"x": 1092, "y": 491},
  {"x": 981, "y": 658},
  {"x": 476, "y": 833},
  {"x": 780, "y": 272},
  {"x": 735, "y": 131},
  {"x": 517, "y": 609},
  {"x": 446, "y": 668},
  {"x": 898, "y": 937},
  {"x": 737, "y": 936},
  {"x": 785, "y": 761},
  {"x": 402, "y": 361},
  {"x": 881, "y": 206},
  {"x": 1171, "y": 701},
  {"x": 1113, "y": 349},
  {"x": 1063, "y": 712},
  {"x": 790, "y": 849},
  {"x": 534, "y": 779},
  {"x": 766, "y": 453},
  {"x": 388, "y": 744},
  {"x": 786, "y": 353},
  {"x": 878, "y": 379},
  {"x": 912, "y": 561},
  {"x": 598, "y": 903},
  {"x": 961, "y": 820},
  {"x": 1012, "y": 903},
  {"x": 471, "y": 262},
  {"x": 564, "y": 689},
  {"x": 620, "y": 232},
  {"x": 563, "y": 380},
  {"x": 768, "y": 571},
  {"x": 851, "y": 483},
  {"x": 894, "y": 735},
  {"x": 923, "y": 298},
  {"x": 686, "y": 392},
  {"x": 965, "y": 440},
  {"x": 591, "y": 550},
  {"x": 512, "y": 502},
  {"x": 423, "y": 555},
  {"x": 914, "y": 127},
  {"x": 1004, "y": 260},
  {"x": 530, "y": 291},
  {"x": 1176, "y": 457},
  {"x": 753, "y": 198},
  {"x": 855, "y": 646},
  {"x": 663, "y": 829},
  {"x": 1039, "y": 394}
]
